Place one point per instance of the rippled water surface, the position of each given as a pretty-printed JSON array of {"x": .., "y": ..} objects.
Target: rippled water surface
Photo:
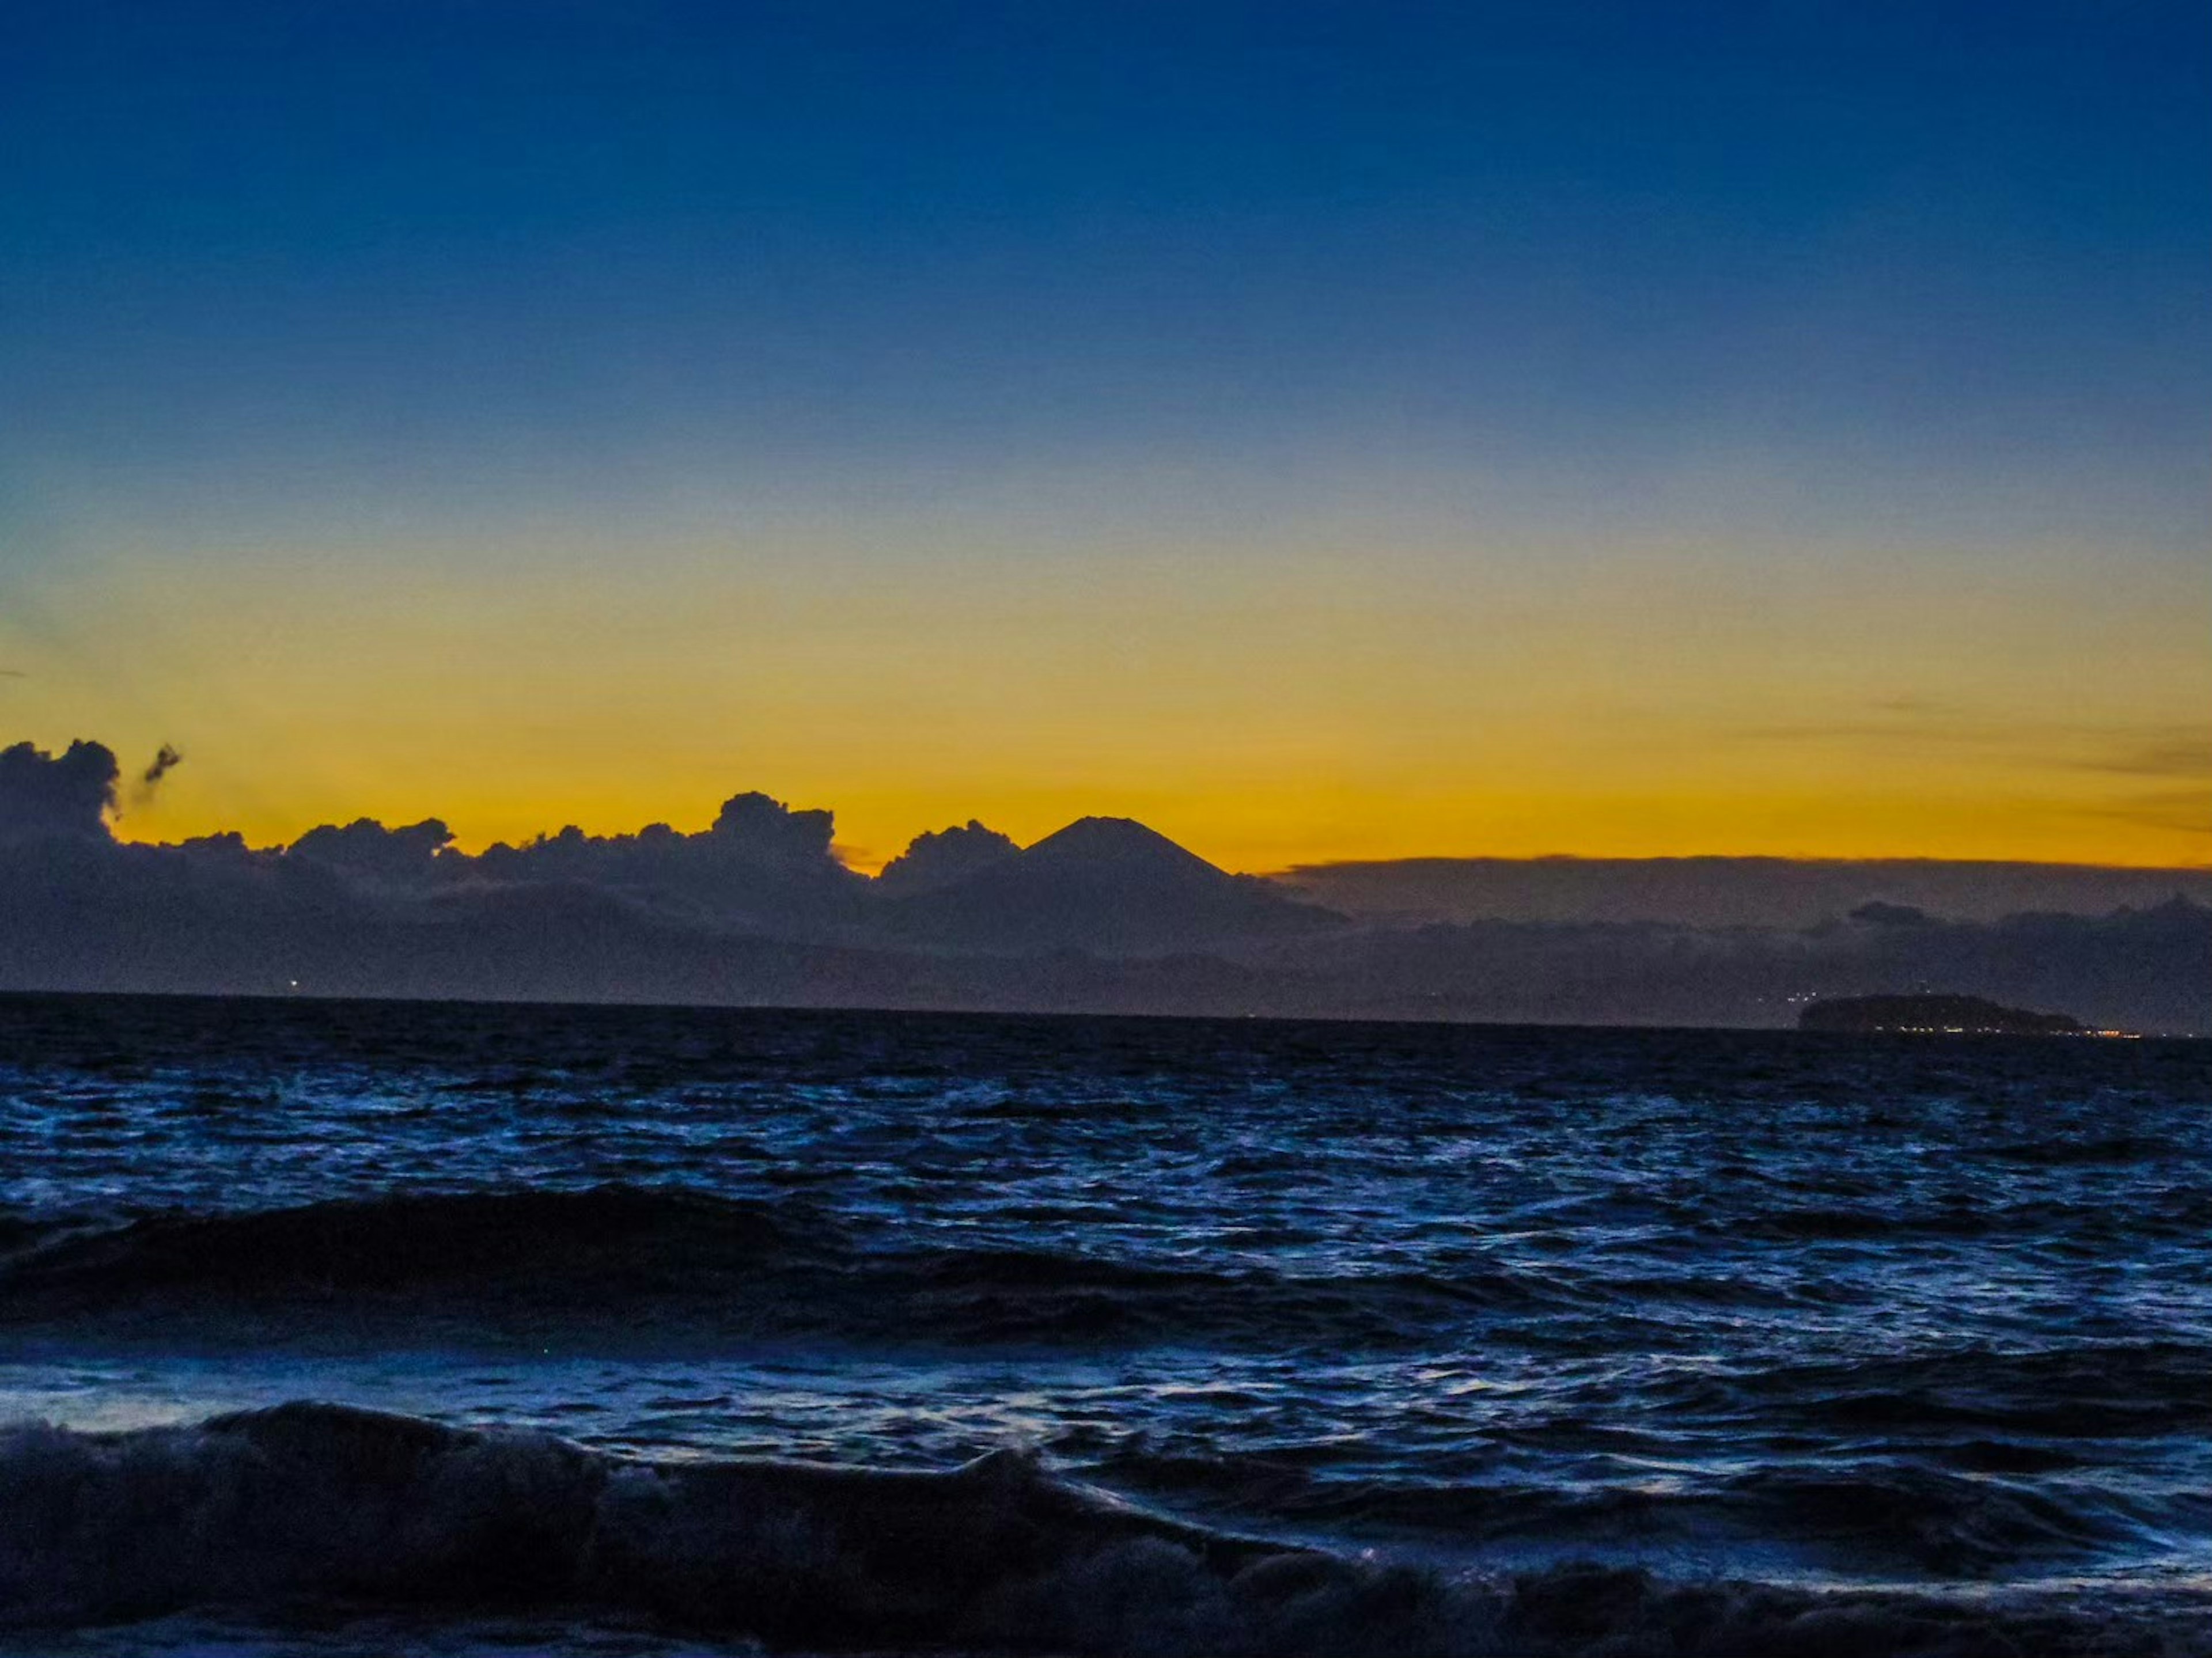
[{"x": 1917, "y": 1317}]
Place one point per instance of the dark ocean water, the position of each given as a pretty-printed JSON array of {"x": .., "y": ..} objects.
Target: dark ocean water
[{"x": 388, "y": 1328}]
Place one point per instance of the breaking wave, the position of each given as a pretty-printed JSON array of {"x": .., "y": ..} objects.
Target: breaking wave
[
  {"x": 310, "y": 1502},
  {"x": 1874, "y": 1519}
]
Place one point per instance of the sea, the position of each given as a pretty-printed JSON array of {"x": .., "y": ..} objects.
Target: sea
[{"x": 413, "y": 1328}]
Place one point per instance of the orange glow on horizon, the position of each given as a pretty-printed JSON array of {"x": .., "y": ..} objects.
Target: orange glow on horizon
[{"x": 1266, "y": 711}]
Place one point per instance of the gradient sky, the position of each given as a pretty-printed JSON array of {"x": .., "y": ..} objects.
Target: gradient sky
[{"x": 1321, "y": 431}]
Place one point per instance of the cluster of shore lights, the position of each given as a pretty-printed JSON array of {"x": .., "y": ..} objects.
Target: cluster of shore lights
[{"x": 1991, "y": 1030}]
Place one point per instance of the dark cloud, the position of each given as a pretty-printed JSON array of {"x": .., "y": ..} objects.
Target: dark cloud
[
  {"x": 1878, "y": 914},
  {"x": 760, "y": 864},
  {"x": 763, "y": 830},
  {"x": 166, "y": 760},
  {"x": 938, "y": 857},
  {"x": 1725, "y": 891},
  {"x": 1105, "y": 915},
  {"x": 365, "y": 846},
  {"x": 71, "y": 794},
  {"x": 2144, "y": 969}
]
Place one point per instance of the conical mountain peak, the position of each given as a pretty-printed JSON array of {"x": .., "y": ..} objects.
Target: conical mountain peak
[
  {"x": 1109, "y": 886},
  {"x": 1115, "y": 841}
]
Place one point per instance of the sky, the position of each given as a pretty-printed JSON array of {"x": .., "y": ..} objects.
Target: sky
[{"x": 1322, "y": 432}]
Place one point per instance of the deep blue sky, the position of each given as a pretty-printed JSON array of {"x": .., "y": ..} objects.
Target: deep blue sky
[
  {"x": 357, "y": 290},
  {"x": 1905, "y": 224}
]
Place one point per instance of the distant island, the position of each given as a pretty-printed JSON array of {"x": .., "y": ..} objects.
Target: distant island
[{"x": 1969, "y": 1016}]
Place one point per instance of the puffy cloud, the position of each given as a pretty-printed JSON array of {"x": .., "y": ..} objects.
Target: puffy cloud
[
  {"x": 71, "y": 794},
  {"x": 762, "y": 864},
  {"x": 763, "y": 830},
  {"x": 365, "y": 846},
  {"x": 1104, "y": 916},
  {"x": 937, "y": 858}
]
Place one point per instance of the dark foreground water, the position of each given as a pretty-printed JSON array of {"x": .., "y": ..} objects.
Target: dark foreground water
[{"x": 399, "y": 1328}]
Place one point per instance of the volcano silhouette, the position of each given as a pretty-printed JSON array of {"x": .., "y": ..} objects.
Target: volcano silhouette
[{"x": 1108, "y": 886}]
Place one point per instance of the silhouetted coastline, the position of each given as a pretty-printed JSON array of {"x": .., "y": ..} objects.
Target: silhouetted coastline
[
  {"x": 1934, "y": 1015},
  {"x": 1105, "y": 915}
]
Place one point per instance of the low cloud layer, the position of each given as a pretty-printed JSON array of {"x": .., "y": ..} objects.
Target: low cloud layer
[
  {"x": 1725, "y": 892},
  {"x": 1105, "y": 916}
]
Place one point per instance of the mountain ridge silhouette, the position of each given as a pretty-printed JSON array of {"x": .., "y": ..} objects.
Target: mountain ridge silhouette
[{"x": 1106, "y": 886}]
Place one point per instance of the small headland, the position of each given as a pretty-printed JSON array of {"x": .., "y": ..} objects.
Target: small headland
[{"x": 1939, "y": 1015}]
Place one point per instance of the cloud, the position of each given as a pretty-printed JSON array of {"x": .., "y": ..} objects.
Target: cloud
[
  {"x": 2189, "y": 810},
  {"x": 1720, "y": 892},
  {"x": 1878, "y": 730},
  {"x": 763, "y": 830},
  {"x": 757, "y": 908},
  {"x": 1877, "y": 913},
  {"x": 937, "y": 858},
  {"x": 2177, "y": 754},
  {"x": 2148, "y": 968},
  {"x": 2149, "y": 750},
  {"x": 762, "y": 863},
  {"x": 2171, "y": 754},
  {"x": 70, "y": 794},
  {"x": 166, "y": 760},
  {"x": 365, "y": 848}
]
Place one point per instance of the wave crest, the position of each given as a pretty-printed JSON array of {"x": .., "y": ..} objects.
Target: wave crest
[{"x": 264, "y": 1507}]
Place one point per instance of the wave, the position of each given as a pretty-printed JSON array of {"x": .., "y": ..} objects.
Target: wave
[
  {"x": 631, "y": 1267},
  {"x": 310, "y": 1502},
  {"x": 1865, "y": 1518},
  {"x": 411, "y": 1241},
  {"x": 661, "y": 1263},
  {"x": 2071, "y": 1391}
]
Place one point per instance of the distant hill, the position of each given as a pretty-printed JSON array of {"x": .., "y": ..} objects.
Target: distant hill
[
  {"x": 1724, "y": 891},
  {"x": 1109, "y": 886},
  {"x": 1104, "y": 916},
  {"x": 1970, "y": 1016}
]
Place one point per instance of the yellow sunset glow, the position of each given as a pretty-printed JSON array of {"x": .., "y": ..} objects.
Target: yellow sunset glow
[{"x": 1266, "y": 706}]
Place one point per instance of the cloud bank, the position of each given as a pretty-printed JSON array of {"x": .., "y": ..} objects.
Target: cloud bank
[
  {"x": 1725, "y": 892},
  {"x": 1103, "y": 916}
]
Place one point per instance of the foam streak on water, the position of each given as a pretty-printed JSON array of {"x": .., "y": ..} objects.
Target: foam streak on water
[{"x": 1515, "y": 1340}]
